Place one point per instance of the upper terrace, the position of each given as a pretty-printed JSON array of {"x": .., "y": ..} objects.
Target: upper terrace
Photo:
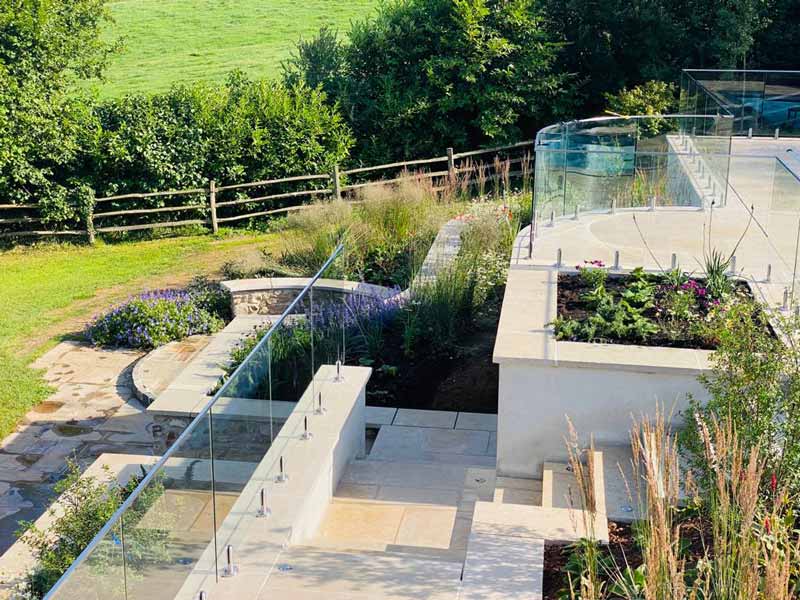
[{"x": 654, "y": 192}]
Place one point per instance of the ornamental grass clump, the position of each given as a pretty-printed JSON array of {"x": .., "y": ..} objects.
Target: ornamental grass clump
[
  {"x": 732, "y": 538},
  {"x": 387, "y": 233},
  {"x": 155, "y": 318}
]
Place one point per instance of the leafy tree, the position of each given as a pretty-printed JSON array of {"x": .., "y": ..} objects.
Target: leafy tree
[
  {"x": 614, "y": 44},
  {"x": 318, "y": 62},
  {"x": 427, "y": 74},
  {"x": 777, "y": 46},
  {"x": 649, "y": 98},
  {"x": 46, "y": 47}
]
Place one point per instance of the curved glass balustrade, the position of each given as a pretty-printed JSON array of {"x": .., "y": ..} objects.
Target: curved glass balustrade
[
  {"x": 760, "y": 102},
  {"x": 660, "y": 191}
]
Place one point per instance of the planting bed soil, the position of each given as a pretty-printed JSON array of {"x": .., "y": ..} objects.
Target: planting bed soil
[
  {"x": 668, "y": 326},
  {"x": 622, "y": 547},
  {"x": 465, "y": 379},
  {"x": 621, "y": 552}
]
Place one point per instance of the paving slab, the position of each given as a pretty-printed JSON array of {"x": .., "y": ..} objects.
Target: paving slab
[
  {"x": 536, "y": 522},
  {"x": 312, "y": 574},
  {"x": 91, "y": 410},
  {"x": 427, "y": 527},
  {"x": 12, "y": 468},
  {"x": 361, "y": 525},
  {"x": 355, "y": 491},
  {"x": 414, "y": 495},
  {"x": 425, "y": 418},
  {"x": 403, "y": 474},
  {"x": 499, "y": 568},
  {"x": 426, "y": 444},
  {"x": 380, "y": 415},
  {"x": 478, "y": 421}
]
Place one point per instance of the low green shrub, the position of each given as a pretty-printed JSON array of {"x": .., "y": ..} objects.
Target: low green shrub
[
  {"x": 755, "y": 384},
  {"x": 86, "y": 504}
]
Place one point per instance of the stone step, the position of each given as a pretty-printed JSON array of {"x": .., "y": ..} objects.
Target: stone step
[
  {"x": 458, "y": 447},
  {"x": 514, "y": 490},
  {"x": 538, "y": 522},
  {"x": 305, "y": 573},
  {"x": 428, "y": 529},
  {"x": 560, "y": 487},
  {"x": 620, "y": 486},
  {"x": 502, "y": 567},
  {"x": 410, "y": 474}
]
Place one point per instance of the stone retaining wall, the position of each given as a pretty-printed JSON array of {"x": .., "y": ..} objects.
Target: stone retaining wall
[{"x": 273, "y": 295}]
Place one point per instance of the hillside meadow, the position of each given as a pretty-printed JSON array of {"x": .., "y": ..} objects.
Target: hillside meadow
[{"x": 180, "y": 41}]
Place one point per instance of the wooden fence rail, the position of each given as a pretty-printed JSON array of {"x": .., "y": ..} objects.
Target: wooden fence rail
[{"x": 338, "y": 186}]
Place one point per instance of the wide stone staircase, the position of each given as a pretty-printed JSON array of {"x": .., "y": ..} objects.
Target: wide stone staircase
[{"x": 426, "y": 516}]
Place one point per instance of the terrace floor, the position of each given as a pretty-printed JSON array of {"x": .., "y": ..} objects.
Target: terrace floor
[
  {"x": 650, "y": 238},
  {"x": 398, "y": 524}
]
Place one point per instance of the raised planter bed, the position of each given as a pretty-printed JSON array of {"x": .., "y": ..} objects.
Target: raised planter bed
[{"x": 600, "y": 386}]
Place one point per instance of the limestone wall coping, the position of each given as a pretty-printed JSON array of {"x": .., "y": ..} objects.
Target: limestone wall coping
[
  {"x": 524, "y": 334},
  {"x": 246, "y": 286},
  {"x": 314, "y": 467}
]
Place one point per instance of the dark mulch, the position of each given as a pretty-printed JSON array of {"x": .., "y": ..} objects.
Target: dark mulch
[
  {"x": 463, "y": 379},
  {"x": 624, "y": 551},
  {"x": 621, "y": 546}
]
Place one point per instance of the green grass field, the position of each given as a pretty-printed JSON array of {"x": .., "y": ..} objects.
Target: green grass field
[
  {"x": 172, "y": 41},
  {"x": 51, "y": 291}
]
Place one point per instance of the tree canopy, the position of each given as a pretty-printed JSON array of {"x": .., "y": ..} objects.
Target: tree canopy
[{"x": 426, "y": 74}]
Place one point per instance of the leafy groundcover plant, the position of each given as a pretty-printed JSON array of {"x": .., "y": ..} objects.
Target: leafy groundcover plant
[
  {"x": 155, "y": 318},
  {"x": 654, "y": 309}
]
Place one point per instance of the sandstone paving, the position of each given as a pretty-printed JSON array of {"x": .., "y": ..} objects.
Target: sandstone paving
[{"x": 91, "y": 411}]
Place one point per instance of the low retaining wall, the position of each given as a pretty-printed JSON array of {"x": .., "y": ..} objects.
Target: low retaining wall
[{"x": 273, "y": 295}]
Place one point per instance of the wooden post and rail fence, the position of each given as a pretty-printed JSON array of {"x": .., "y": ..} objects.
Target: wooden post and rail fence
[{"x": 210, "y": 206}]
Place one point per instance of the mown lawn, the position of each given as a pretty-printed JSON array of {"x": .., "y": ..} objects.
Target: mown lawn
[
  {"x": 50, "y": 291},
  {"x": 171, "y": 41}
]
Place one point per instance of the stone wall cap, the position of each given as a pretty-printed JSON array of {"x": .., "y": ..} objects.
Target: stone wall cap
[{"x": 240, "y": 286}]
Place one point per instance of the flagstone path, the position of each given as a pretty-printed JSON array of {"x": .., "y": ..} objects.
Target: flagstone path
[{"x": 92, "y": 411}]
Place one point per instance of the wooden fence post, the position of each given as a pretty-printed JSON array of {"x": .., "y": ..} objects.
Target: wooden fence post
[
  {"x": 90, "y": 228},
  {"x": 337, "y": 184},
  {"x": 212, "y": 203},
  {"x": 451, "y": 164}
]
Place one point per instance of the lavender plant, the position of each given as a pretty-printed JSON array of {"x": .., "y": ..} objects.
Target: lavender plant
[{"x": 155, "y": 318}]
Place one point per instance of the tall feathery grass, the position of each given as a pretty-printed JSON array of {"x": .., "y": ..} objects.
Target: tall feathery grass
[{"x": 733, "y": 540}]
